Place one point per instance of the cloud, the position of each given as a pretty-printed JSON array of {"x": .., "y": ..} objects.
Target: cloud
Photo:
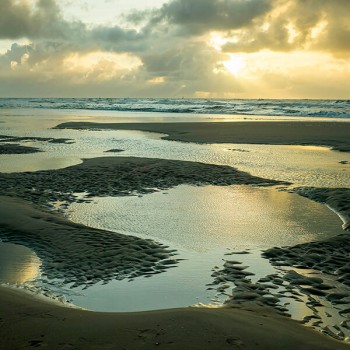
[
  {"x": 167, "y": 51},
  {"x": 188, "y": 64},
  {"x": 196, "y": 17},
  {"x": 297, "y": 25},
  {"x": 248, "y": 25},
  {"x": 41, "y": 19},
  {"x": 117, "y": 39}
]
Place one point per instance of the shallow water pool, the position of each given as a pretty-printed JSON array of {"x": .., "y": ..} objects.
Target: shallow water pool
[{"x": 207, "y": 225}]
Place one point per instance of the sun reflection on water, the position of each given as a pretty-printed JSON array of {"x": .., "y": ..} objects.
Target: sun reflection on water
[{"x": 18, "y": 264}]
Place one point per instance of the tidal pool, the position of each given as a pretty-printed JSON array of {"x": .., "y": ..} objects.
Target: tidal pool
[{"x": 207, "y": 225}]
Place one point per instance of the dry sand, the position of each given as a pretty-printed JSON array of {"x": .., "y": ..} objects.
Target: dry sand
[
  {"x": 27, "y": 323},
  {"x": 332, "y": 134}
]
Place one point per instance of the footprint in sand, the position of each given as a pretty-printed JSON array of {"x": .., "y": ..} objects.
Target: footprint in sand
[{"x": 237, "y": 342}]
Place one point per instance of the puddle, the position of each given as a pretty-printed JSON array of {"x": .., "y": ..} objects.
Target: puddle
[
  {"x": 212, "y": 217},
  {"x": 18, "y": 264}
]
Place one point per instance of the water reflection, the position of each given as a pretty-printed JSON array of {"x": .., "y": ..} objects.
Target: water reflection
[
  {"x": 18, "y": 264},
  {"x": 208, "y": 218},
  {"x": 202, "y": 223},
  {"x": 302, "y": 165}
]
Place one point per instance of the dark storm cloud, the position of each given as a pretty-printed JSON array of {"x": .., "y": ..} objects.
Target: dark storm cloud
[{"x": 200, "y": 16}]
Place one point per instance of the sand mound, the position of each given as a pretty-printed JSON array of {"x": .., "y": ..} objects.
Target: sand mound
[
  {"x": 119, "y": 176},
  {"x": 7, "y": 138},
  {"x": 17, "y": 149},
  {"x": 78, "y": 254},
  {"x": 335, "y": 135},
  {"x": 338, "y": 199}
]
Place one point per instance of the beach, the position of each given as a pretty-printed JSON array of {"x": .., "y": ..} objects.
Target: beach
[
  {"x": 34, "y": 208},
  {"x": 174, "y": 174},
  {"x": 27, "y": 322}
]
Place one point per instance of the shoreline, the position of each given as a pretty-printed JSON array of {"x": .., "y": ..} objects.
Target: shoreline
[{"x": 27, "y": 322}]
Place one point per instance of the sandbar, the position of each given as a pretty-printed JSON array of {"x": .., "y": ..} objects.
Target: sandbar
[{"x": 331, "y": 134}]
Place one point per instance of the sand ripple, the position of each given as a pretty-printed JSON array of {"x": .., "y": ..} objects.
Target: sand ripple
[
  {"x": 119, "y": 176},
  {"x": 78, "y": 254},
  {"x": 84, "y": 256}
]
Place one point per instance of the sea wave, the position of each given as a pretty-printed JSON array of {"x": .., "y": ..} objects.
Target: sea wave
[{"x": 305, "y": 108}]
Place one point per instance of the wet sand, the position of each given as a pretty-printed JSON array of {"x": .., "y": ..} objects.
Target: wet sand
[
  {"x": 119, "y": 176},
  {"x": 338, "y": 199},
  {"x": 27, "y": 322},
  {"x": 76, "y": 254},
  {"x": 17, "y": 149},
  {"x": 7, "y": 146},
  {"x": 60, "y": 244},
  {"x": 332, "y": 134}
]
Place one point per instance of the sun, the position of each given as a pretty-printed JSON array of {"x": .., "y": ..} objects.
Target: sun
[{"x": 234, "y": 65}]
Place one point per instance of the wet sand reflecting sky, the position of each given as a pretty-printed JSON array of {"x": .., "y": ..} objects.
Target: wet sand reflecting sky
[{"x": 18, "y": 264}]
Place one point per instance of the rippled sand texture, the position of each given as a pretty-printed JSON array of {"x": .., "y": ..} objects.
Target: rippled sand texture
[
  {"x": 118, "y": 176},
  {"x": 76, "y": 254},
  {"x": 62, "y": 244},
  {"x": 82, "y": 256}
]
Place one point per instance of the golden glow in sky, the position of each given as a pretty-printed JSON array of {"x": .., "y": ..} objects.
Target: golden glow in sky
[
  {"x": 104, "y": 65},
  {"x": 172, "y": 48},
  {"x": 235, "y": 65}
]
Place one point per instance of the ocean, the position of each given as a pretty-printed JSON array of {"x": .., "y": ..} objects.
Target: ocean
[{"x": 257, "y": 107}]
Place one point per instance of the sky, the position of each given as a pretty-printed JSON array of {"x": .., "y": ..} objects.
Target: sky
[{"x": 175, "y": 48}]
